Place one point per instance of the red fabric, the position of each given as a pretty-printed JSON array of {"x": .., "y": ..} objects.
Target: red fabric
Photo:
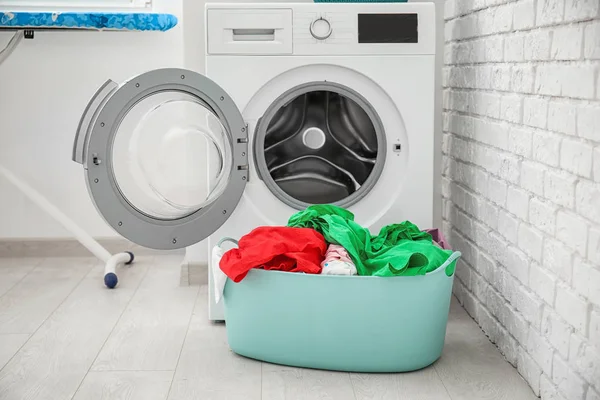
[{"x": 277, "y": 248}]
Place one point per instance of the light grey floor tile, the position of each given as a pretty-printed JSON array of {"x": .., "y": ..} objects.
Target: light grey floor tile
[
  {"x": 28, "y": 303},
  {"x": 53, "y": 362},
  {"x": 375, "y": 386},
  {"x": 125, "y": 385},
  {"x": 419, "y": 385},
  {"x": 287, "y": 383},
  {"x": 141, "y": 332},
  {"x": 9, "y": 345},
  {"x": 208, "y": 369},
  {"x": 13, "y": 270},
  {"x": 471, "y": 367},
  {"x": 150, "y": 334}
]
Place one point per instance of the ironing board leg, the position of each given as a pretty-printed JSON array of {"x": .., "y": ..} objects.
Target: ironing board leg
[
  {"x": 110, "y": 275},
  {"x": 82, "y": 236}
]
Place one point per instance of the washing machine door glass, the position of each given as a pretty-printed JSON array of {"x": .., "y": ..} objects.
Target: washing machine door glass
[
  {"x": 156, "y": 155},
  {"x": 165, "y": 156}
]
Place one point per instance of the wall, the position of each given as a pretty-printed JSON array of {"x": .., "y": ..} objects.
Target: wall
[
  {"x": 521, "y": 182},
  {"x": 74, "y": 65},
  {"x": 44, "y": 88}
]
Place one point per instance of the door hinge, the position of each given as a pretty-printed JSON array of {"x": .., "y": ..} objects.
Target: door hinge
[{"x": 246, "y": 168}]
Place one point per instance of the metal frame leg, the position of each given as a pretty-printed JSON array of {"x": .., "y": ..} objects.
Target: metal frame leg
[
  {"x": 111, "y": 261},
  {"x": 110, "y": 277}
]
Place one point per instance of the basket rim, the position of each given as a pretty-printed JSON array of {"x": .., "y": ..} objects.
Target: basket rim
[{"x": 453, "y": 257}]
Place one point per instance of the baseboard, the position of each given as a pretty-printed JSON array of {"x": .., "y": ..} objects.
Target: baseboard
[
  {"x": 194, "y": 274},
  {"x": 70, "y": 248}
]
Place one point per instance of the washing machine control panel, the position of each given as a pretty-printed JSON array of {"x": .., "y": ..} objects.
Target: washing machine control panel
[
  {"x": 360, "y": 29},
  {"x": 364, "y": 30},
  {"x": 384, "y": 28}
]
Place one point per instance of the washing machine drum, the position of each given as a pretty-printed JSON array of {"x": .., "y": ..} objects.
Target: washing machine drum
[{"x": 318, "y": 144}]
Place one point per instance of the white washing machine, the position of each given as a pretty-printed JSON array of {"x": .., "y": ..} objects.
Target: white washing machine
[{"x": 301, "y": 104}]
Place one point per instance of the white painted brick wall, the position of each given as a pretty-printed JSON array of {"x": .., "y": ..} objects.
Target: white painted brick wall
[
  {"x": 517, "y": 202},
  {"x": 558, "y": 259},
  {"x": 542, "y": 214},
  {"x": 546, "y": 147},
  {"x": 543, "y": 283},
  {"x": 567, "y": 43},
  {"x": 520, "y": 140},
  {"x": 572, "y": 308},
  {"x": 562, "y": 117},
  {"x": 537, "y": 45},
  {"x": 586, "y": 281},
  {"x": 522, "y": 182},
  {"x": 529, "y": 369},
  {"x": 559, "y": 186},
  {"x": 577, "y": 10},
  {"x": 576, "y": 157},
  {"x": 535, "y": 111},
  {"x": 588, "y": 199},
  {"x": 572, "y": 230},
  {"x": 591, "y": 39},
  {"x": 548, "y": 390},
  {"x": 585, "y": 358},
  {"x": 540, "y": 349},
  {"x": 592, "y": 394},
  {"x": 567, "y": 380},
  {"x": 556, "y": 331},
  {"x": 596, "y": 164},
  {"x": 594, "y": 245},
  {"x": 588, "y": 117},
  {"x": 532, "y": 177}
]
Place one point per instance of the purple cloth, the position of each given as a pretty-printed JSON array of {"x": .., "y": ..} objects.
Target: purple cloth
[{"x": 439, "y": 238}]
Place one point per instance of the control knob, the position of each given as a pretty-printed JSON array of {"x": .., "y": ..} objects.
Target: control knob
[{"x": 320, "y": 28}]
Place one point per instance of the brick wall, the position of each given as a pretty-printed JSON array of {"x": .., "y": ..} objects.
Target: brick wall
[{"x": 521, "y": 182}]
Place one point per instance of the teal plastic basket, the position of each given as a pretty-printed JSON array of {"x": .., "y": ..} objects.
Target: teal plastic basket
[{"x": 343, "y": 323}]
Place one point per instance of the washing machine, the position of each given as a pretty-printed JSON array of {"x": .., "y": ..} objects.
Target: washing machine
[{"x": 300, "y": 104}]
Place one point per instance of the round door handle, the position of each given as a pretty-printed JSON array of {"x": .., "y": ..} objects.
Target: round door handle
[{"x": 319, "y": 35}]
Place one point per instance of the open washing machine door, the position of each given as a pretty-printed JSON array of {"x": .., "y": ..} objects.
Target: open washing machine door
[{"x": 165, "y": 156}]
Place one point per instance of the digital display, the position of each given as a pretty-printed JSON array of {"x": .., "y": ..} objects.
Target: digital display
[{"x": 388, "y": 28}]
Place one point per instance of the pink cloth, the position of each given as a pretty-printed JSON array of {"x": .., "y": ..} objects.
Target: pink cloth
[
  {"x": 337, "y": 262},
  {"x": 336, "y": 252},
  {"x": 438, "y": 237}
]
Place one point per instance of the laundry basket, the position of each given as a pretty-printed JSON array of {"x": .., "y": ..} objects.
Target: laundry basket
[{"x": 343, "y": 323}]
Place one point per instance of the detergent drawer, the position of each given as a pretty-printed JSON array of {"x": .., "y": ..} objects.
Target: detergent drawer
[{"x": 249, "y": 31}]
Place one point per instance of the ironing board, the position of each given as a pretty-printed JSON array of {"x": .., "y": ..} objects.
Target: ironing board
[
  {"x": 87, "y": 20},
  {"x": 25, "y": 24}
]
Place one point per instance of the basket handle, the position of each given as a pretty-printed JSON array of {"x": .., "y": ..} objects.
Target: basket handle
[
  {"x": 227, "y": 239},
  {"x": 453, "y": 257}
]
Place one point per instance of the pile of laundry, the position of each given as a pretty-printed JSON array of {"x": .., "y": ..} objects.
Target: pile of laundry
[{"x": 325, "y": 239}]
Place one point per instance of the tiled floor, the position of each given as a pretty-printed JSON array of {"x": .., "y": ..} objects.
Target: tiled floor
[{"x": 64, "y": 336}]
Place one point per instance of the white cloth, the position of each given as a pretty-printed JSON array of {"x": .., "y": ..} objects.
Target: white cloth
[
  {"x": 337, "y": 262},
  {"x": 219, "y": 277},
  {"x": 338, "y": 267}
]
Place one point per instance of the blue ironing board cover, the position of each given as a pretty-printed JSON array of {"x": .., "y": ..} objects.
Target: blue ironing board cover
[{"x": 88, "y": 20}]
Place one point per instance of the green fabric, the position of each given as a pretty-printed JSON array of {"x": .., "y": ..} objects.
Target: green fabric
[{"x": 399, "y": 249}]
